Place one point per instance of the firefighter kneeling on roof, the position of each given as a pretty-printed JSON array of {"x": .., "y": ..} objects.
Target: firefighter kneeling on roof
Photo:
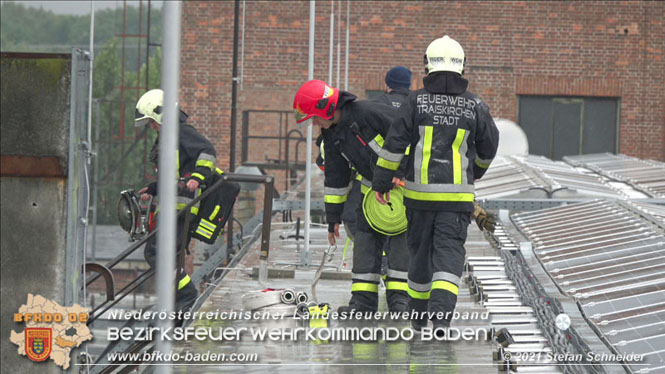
[{"x": 353, "y": 133}]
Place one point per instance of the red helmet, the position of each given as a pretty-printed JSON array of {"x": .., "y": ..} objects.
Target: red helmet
[{"x": 315, "y": 98}]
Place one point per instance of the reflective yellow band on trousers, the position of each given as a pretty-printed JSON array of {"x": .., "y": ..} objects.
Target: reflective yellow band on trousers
[
  {"x": 367, "y": 287},
  {"x": 183, "y": 282},
  {"x": 439, "y": 196},
  {"x": 457, "y": 158},
  {"x": 418, "y": 295},
  {"x": 203, "y": 232},
  {"x": 208, "y": 225},
  {"x": 445, "y": 285},
  {"x": 427, "y": 153},
  {"x": 397, "y": 286},
  {"x": 436, "y": 285}
]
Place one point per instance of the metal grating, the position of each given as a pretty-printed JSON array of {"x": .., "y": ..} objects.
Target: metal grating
[
  {"x": 506, "y": 177},
  {"x": 657, "y": 212},
  {"x": 611, "y": 259},
  {"x": 537, "y": 177},
  {"x": 566, "y": 181},
  {"x": 645, "y": 175}
]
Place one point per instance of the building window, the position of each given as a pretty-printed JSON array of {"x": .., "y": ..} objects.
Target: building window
[{"x": 563, "y": 126}]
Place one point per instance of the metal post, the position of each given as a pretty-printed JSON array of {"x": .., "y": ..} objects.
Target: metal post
[
  {"x": 308, "y": 165},
  {"x": 234, "y": 86},
  {"x": 346, "y": 50},
  {"x": 95, "y": 186},
  {"x": 332, "y": 34},
  {"x": 242, "y": 48},
  {"x": 167, "y": 174},
  {"x": 234, "y": 115},
  {"x": 265, "y": 234},
  {"x": 147, "y": 51},
  {"x": 92, "y": 59},
  {"x": 73, "y": 185},
  {"x": 339, "y": 39}
]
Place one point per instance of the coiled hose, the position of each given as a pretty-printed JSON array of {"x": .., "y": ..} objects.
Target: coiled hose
[{"x": 388, "y": 219}]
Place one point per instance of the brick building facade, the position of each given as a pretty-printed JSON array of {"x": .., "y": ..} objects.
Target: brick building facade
[{"x": 577, "y": 48}]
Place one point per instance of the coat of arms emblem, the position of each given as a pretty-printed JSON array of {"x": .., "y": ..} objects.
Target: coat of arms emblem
[{"x": 38, "y": 343}]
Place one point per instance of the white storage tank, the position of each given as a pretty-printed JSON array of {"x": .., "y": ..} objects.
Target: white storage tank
[{"x": 512, "y": 139}]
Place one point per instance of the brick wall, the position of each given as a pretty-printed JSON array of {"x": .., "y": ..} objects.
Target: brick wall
[{"x": 611, "y": 49}]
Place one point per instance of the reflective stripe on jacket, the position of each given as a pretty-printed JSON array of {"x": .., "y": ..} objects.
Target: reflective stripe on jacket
[
  {"x": 354, "y": 142},
  {"x": 195, "y": 158}
]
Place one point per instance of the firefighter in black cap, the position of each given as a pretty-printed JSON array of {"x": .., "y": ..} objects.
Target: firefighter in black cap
[{"x": 398, "y": 81}]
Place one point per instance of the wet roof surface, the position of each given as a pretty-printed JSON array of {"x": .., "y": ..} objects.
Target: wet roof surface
[
  {"x": 299, "y": 356},
  {"x": 611, "y": 260}
]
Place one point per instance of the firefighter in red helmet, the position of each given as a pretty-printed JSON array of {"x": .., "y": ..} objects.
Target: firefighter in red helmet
[{"x": 353, "y": 132}]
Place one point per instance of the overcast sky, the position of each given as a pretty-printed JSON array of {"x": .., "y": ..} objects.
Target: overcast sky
[{"x": 83, "y": 7}]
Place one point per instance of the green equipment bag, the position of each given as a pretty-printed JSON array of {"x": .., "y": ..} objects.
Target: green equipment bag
[{"x": 214, "y": 210}]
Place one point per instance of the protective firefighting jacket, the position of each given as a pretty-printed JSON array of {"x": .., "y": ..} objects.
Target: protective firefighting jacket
[
  {"x": 453, "y": 140},
  {"x": 354, "y": 142},
  {"x": 195, "y": 158},
  {"x": 395, "y": 98}
]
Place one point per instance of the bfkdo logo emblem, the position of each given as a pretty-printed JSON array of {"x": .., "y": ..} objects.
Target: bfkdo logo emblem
[{"x": 38, "y": 343}]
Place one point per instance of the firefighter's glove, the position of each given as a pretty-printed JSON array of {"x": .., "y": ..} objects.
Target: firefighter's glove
[
  {"x": 384, "y": 183},
  {"x": 484, "y": 220}
]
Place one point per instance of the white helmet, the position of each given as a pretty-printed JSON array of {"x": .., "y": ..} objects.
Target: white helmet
[
  {"x": 444, "y": 54},
  {"x": 149, "y": 106}
]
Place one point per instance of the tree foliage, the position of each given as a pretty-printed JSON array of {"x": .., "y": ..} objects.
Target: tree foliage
[
  {"x": 121, "y": 148},
  {"x": 29, "y": 29}
]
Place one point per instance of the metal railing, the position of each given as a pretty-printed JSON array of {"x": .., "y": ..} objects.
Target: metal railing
[
  {"x": 283, "y": 138},
  {"x": 105, "y": 270}
]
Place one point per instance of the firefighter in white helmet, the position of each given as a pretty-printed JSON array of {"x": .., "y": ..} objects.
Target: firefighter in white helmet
[
  {"x": 196, "y": 160},
  {"x": 453, "y": 140}
]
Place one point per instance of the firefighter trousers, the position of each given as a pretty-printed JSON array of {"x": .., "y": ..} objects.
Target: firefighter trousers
[
  {"x": 366, "y": 273},
  {"x": 186, "y": 293},
  {"x": 436, "y": 250},
  {"x": 350, "y": 215}
]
